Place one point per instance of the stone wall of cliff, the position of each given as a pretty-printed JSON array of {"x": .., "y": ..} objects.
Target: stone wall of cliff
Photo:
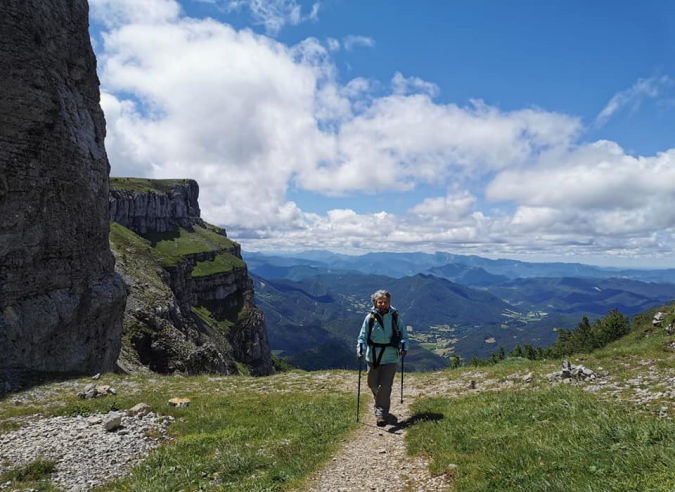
[
  {"x": 61, "y": 303},
  {"x": 154, "y": 205},
  {"x": 191, "y": 306}
]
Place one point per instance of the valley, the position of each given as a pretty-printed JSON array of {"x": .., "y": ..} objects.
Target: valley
[{"x": 314, "y": 303}]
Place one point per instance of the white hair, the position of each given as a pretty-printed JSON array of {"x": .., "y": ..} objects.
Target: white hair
[{"x": 378, "y": 294}]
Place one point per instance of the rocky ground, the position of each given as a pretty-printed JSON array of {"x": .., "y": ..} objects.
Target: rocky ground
[{"x": 85, "y": 452}]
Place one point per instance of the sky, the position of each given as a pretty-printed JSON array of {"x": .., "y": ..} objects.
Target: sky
[{"x": 539, "y": 131}]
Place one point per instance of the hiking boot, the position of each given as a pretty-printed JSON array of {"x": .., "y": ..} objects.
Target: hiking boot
[{"x": 381, "y": 421}]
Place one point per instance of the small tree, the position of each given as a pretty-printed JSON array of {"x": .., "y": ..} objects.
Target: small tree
[{"x": 516, "y": 352}]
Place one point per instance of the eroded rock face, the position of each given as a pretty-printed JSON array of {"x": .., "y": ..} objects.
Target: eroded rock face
[
  {"x": 61, "y": 304},
  {"x": 176, "y": 321},
  {"x": 156, "y": 210}
]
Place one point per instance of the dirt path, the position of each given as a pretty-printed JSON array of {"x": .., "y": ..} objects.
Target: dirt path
[{"x": 374, "y": 459}]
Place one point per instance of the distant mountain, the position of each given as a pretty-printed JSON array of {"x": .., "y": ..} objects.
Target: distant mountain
[
  {"x": 400, "y": 265},
  {"x": 316, "y": 322},
  {"x": 467, "y": 275},
  {"x": 464, "y": 305},
  {"x": 583, "y": 296}
]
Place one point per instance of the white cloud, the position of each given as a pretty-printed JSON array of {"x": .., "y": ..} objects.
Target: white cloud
[
  {"x": 402, "y": 86},
  {"x": 597, "y": 187},
  {"x": 454, "y": 206},
  {"x": 333, "y": 44},
  {"x": 416, "y": 140},
  {"x": 633, "y": 97},
  {"x": 248, "y": 117},
  {"x": 351, "y": 42},
  {"x": 115, "y": 13},
  {"x": 273, "y": 14}
]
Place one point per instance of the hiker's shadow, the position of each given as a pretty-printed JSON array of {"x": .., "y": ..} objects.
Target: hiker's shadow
[{"x": 397, "y": 425}]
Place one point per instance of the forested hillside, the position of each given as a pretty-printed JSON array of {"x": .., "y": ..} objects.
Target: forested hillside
[{"x": 315, "y": 304}]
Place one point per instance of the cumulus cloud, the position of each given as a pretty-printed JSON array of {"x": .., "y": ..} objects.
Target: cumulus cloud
[
  {"x": 633, "y": 97},
  {"x": 596, "y": 187},
  {"x": 249, "y": 118},
  {"x": 417, "y": 140}
]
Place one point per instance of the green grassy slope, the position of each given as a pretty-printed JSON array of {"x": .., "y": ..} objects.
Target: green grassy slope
[
  {"x": 142, "y": 260},
  {"x": 616, "y": 435}
]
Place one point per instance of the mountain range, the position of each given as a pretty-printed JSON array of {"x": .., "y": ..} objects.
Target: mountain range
[{"x": 314, "y": 302}]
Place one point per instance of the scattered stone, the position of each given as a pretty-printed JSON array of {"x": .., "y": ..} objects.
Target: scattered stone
[
  {"x": 528, "y": 378},
  {"x": 86, "y": 455},
  {"x": 89, "y": 392},
  {"x": 94, "y": 391},
  {"x": 571, "y": 372},
  {"x": 112, "y": 421},
  {"x": 472, "y": 384},
  {"x": 97, "y": 376},
  {"x": 658, "y": 318},
  {"x": 142, "y": 409},
  {"x": 670, "y": 329},
  {"x": 179, "y": 402}
]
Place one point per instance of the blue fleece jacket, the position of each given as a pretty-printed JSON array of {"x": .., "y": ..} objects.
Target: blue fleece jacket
[{"x": 382, "y": 334}]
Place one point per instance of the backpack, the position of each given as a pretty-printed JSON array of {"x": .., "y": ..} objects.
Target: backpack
[{"x": 393, "y": 342}]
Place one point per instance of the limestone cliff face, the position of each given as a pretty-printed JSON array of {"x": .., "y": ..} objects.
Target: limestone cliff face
[
  {"x": 167, "y": 204},
  {"x": 61, "y": 303},
  {"x": 191, "y": 306}
]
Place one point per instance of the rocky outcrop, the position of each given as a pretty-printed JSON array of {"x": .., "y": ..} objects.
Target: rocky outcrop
[
  {"x": 144, "y": 205},
  {"x": 570, "y": 372},
  {"x": 191, "y": 305},
  {"x": 61, "y": 303}
]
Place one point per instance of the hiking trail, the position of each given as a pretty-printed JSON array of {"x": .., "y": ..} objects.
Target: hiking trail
[{"x": 374, "y": 458}]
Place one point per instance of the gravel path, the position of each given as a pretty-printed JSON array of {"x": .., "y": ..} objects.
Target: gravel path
[{"x": 374, "y": 458}]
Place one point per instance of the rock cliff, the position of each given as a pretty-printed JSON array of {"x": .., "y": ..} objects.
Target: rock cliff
[
  {"x": 61, "y": 303},
  {"x": 190, "y": 307},
  {"x": 157, "y": 205}
]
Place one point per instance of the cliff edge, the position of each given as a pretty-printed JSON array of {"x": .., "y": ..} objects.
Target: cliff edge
[{"x": 191, "y": 304}]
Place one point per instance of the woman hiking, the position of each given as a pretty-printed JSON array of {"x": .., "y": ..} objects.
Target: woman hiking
[{"x": 384, "y": 340}]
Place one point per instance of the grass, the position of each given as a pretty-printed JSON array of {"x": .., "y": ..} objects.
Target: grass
[
  {"x": 173, "y": 245},
  {"x": 246, "y": 443},
  {"x": 222, "y": 263},
  {"x": 141, "y": 185},
  {"x": 135, "y": 255},
  {"x": 557, "y": 438},
  {"x": 33, "y": 476},
  {"x": 207, "y": 317},
  {"x": 554, "y": 439},
  {"x": 238, "y": 434}
]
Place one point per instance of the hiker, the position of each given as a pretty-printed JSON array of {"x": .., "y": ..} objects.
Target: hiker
[{"x": 383, "y": 340}]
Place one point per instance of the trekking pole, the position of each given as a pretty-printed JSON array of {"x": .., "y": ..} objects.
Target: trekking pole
[
  {"x": 402, "y": 363},
  {"x": 358, "y": 394}
]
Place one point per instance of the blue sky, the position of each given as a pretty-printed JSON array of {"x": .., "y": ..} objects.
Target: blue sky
[{"x": 533, "y": 130}]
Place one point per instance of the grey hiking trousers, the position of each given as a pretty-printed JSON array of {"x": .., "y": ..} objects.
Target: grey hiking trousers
[{"x": 380, "y": 381}]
